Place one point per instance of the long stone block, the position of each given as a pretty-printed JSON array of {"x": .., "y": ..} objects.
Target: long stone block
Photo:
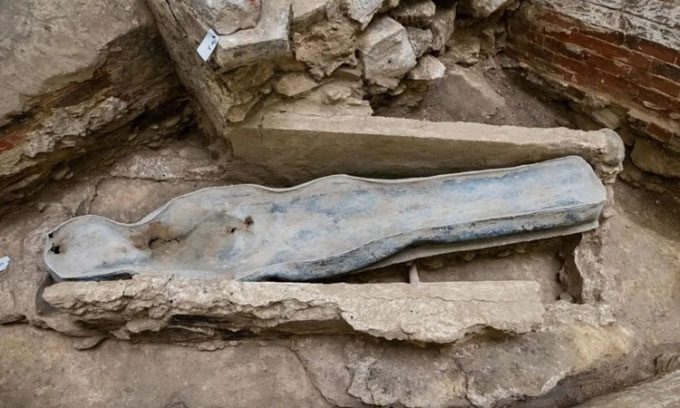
[
  {"x": 300, "y": 147},
  {"x": 663, "y": 392},
  {"x": 441, "y": 312}
]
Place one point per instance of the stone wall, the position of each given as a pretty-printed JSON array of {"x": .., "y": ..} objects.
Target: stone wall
[
  {"x": 616, "y": 61},
  {"x": 79, "y": 77}
]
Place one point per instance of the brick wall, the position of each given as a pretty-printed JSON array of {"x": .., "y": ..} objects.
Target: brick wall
[{"x": 621, "y": 79}]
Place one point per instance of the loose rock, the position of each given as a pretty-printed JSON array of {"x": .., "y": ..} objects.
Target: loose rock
[
  {"x": 429, "y": 68},
  {"x": 442, "y": 26},
  {"x": 386, "y": 52},
  {"x": 227, "y": 16},
  {"x": 295, "y": 84},
  {"x": 420, "y": 39},
  {"x": 418, "y": 13}
]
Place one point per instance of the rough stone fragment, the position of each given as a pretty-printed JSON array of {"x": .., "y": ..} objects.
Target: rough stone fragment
[
  {"x": 417, "y": 13},
  {"x": 268, "y": 40},
  {"x": 227, "y": 16},
  {"x": 482, "y": 8},
  {"x": 326, "y": 45},
  {"x": 361, "y": 11},
  {"x": 305, "y": 146},
  {"x": 442, "y": 26},
  {"x": 663, "y": 392},
  {"x": 386, "y": 52},
  {"x": 77, "y": 86},
  {"x": 649, "y": 156},
  {"x": 441, "y": 313},
  {"x": 465, "y": 47},
  {"x": 471, "y": 94},
  {"x": 420, "y": 39},
  {"x": 306, "y": 12},
  {"x": 429, "y": 68},
  {"x": 295, "y": 84}
]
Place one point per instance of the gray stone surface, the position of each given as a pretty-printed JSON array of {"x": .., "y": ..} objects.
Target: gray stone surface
[
  {"x": 663, "y": 392},
  {"x": 295, "y": 83},
  {"x": 442, "y": 26},
  {"x": 654, "y": 20},
  {"x": 420, "y": 39},
  {"x": 300, "y": 146},
  {"x": 417, "y": 13},
  {"x": 269, "y": 39},
  {"x": 361, "y": 11},
  {"x": 483, "y": 8},
  {"x": 74, "y": 76},
  {"x": 386, "y": 52},
  {"x": 227, "y": 16},
  {"x": 649, "y": 156},
  {"x": 429, "y": 68},
  {"x": 438, "y": 313}
]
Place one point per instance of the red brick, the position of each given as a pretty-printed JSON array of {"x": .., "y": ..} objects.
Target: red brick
[
  {"x": 612, "y": 37},
  {"x": 558, "y": 20},
  {"x": 664, "y": 86},
  {"x": 564, "y": 48},
  {"x": 669, "y": 71},
  {"x": 659, "y": 133},
  {"x": 606, "y": 49},
  {"x": 608, "y": 65},
  {"x": 664, "y": 102},
  {"x": 655, "y": 50},
  {"x": 576, "y": 66}
]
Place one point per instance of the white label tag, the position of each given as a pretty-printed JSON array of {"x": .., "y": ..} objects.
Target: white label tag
[
  {"x": 4, "y": 263},
  {"x": 208, "y": 45}
]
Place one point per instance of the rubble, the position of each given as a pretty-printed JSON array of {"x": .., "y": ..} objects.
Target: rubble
[
  {"x": 326, "y": 45},
  {"x": 442, "y": 26},
  {"x": 420, "y": 39},
  {"x": 268, "y": 40},
  {"x": 295, "y": 84},
  {"x": 439, "y": 313},
  {"x": 483, "y": 8},
  {"x": 227, "y": 16},
  {"x": 386, "y": 52},
  {"x": 361, "y": 11},
  {"x": 470, "y": 84},
  {"x": 429, "y": 68},
  {"x": 416, "y": 13}
]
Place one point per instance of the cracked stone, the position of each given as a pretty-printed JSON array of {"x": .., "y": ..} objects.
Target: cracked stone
[
  {"x": 386, "y": 52},
  {"x": 361, "y": 11},
  {"x": 429, "y": 68},
  {"x": 227, "y": 16},
  {"x": 483, "y": 8},
  {"x": 442, "y": 26},
  {"x": 417, "y": 13},
  {"x": 295, "y": 84},
  {"x": 438, "y": 313},
  {"x": 420, "y": 39},
  {"x": 266, "y": 41}
]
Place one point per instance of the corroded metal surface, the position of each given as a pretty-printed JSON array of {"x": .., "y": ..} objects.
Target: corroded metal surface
[{"x": 330, "y": 226}]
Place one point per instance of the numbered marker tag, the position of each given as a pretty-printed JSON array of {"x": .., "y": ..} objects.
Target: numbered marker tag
[{"x": 207, "y": 46}]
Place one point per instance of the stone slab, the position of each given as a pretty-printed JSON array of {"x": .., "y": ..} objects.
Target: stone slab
[
  {"x": 300, "y": 146},
  {"x": 327, "y": 227},
  {"x": 442, "y": 312},
  {"x": 663, "y": 392},
  {"x": 268, "y": 40}
]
